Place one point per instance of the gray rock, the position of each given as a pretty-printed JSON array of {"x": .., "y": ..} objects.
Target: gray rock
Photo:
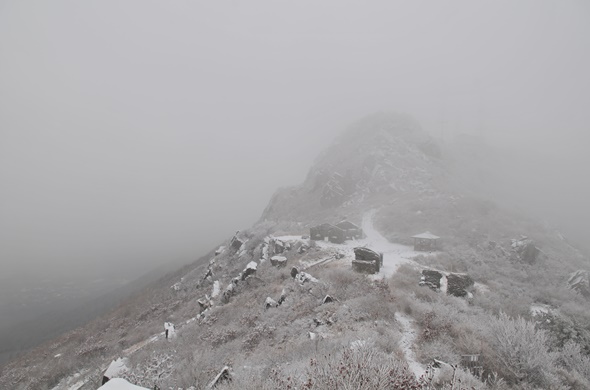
[
  {"x": 525, "y": 249},
  {"x": 431, "y": 279},
  {"x": 457, "y": 284},
  {"x": 278, "y": 261},
  {"x": 580, "y": 281}
]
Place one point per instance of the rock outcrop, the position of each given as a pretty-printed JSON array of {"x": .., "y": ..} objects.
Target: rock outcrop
[
  {"x": 524, "y": 248},
  {"x": 457, "y": 284},
  {"x": 580, "y": 281}
]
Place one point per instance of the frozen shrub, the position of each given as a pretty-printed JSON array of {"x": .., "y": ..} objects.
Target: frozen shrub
[{"x": 521, "y": 350}]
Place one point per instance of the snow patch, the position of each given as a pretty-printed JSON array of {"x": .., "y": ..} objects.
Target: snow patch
[
  {"x": 407, "y": 342},
  {"x": 215, "y": 291},
  {"x": 539, "y": 309},
  {"x": 120, "y": 384}
]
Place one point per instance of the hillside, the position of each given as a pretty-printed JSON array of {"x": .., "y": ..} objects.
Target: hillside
[{"x": 282, "y": 310}]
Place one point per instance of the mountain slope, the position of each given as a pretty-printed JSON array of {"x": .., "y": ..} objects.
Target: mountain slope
[{"x": 323, "y": 325}]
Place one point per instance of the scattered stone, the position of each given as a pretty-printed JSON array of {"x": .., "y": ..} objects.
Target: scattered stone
[
  {"x": 278, "y": 247},
  {"x": 580, "y": 281},
  {"x": 303, "y": 249},
  {"x": 269, "y": 302},
  {"x": 249, "y": 270},
  {"x": 224, "y": 375},
  {"x": 294, "y": 272},
  {"x": 431, "y": 279},
  {"x": 328, "y": 299},
  {"x": 313, "y": 335},
  {"x": 235, "y": 242},
  {"x": 339, "y": 255},
  {"x": 264, "y": 252},
  {"x": 176, "y": 286},
  {"x": 282, "y": 297},
  {"x": 457, "y": 284},
  {"x": 317, "y": 322},
  {"x": 304, "y": 277},
  {"x": 219, "y": 250},
  {"x": 204, "y": 304},
  {"x": 305, "y": 237},
  {"x": 278, "y": 261}
]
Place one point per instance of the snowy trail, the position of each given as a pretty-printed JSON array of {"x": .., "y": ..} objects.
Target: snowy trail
[
  {"x": 136, "y": 347},
  {"x": 394, "y": 255},
  {"x": 407, "y": 343}
]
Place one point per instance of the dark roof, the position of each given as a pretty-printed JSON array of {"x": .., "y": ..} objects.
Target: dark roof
[
  {"x": 347, "y": 225},
  {"x": 426, "y": 235}
]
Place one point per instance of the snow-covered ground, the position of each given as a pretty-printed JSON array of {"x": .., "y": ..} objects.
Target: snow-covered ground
[
  {"x": 120, "y": 384},
  {"x": 407, "y": 343},
  {"x": 394, "y": 255}
]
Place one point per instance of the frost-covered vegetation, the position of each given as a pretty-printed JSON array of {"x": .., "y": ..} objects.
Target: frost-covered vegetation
[{"x": 277, "y": 331}]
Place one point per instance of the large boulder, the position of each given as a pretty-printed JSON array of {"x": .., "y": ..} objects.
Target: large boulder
[
  {"x": 525, "y": 249},
  {"x": 365, "y": 267},
  {"x": 367, "y": 260},
  {"x": 278, "y": 261},
  {"x": 457, "y": 284},
  {"x": 431, "y": 278},
  {"x": 362, "y": 253},
  {"x": 236, "y": 243},
  {"x": 580, "y": 281},
  {"x": 249, "y": 270}
]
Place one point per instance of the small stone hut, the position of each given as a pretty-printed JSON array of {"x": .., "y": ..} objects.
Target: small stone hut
[
  {"x": 351, "y": 230},
  {"x": 426, "y": 242},
  {"x": 327, "y": 232}
]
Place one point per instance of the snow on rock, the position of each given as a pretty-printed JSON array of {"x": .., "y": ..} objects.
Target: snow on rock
[
  {"x": 539, "y": 309},
  {"x": 580, "y": 281},
  {"x": 278, "y": 261},
  {"x": 304, "y": 277},
  {"x": 269, "y": 302},
  {"x": 168, "y": 326},
  {"x": 249, "y": 270},
  {"x": 116, "y": 368},
  {"x": 215, "y": 291},
  {"x": 120, "y": 384},
  {"x": 264, "y": 252}
]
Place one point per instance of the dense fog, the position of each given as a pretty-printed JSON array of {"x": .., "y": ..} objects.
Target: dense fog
[{"x": 139, "y": 133}]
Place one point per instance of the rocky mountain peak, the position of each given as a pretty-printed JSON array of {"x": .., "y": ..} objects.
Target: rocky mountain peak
[{"x": 381, "y": 154}]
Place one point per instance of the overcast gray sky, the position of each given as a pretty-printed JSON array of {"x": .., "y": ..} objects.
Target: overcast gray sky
[{"x": 142, "y": 131}]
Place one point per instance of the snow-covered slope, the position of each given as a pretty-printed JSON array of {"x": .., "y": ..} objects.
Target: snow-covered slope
[{"x": 272, "y": 308}]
